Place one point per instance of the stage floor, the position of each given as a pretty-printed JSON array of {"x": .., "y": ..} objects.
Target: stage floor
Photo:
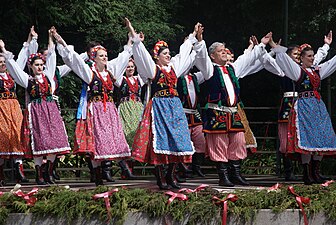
[{"x": 148, "y": 182}]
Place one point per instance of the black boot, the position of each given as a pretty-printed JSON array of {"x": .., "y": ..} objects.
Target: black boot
[
  {"x": 197, "y": 159},
  {"x": 106, "y": 171},
  {"x": 39, "y": 175},
  {"x": 98, "y": 175},
  {"x": 160, "y": 181},
  {"x": 2, "y": 176},
  {"x": 92, "y": 172},
  {"x": 19, "y": 174},
  {"x": 307, "y": 178},
  {"x": 126, "y": 172},
  {"x": 315, "y": 172},
  {"x": 54, "y": 171},
  {"x": 170, "y": 176},
  {"x": 237, "y": 178},
  {"x": 47, "y": 172},
  {"x": 222, "y": 170},
  {"x": 288, "y": 169}
]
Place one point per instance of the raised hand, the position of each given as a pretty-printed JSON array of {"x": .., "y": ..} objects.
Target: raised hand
[
  {"x": 328, "y": 38},
  {"x": 141, "y": 36},
  {"x": 130, "y": 27},
  {"x": 196, "y": 28},
  {"x": 200, "y": 31},
  {"x": 33, "y": 32},
  {"x": 266, "y": 39},
  {"x": 2, "y": 45}
]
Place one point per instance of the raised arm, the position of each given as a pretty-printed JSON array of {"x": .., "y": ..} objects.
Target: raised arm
[
  {"x": 322, "y": 52},
  {"x": 290, "y": 68},
  {"x": 20, "y": 77},
  {"x": 73, "y": 59},
  {"x": 145, "y": 64},
  {"x": 243, "y": 62},
  {"x": 118, "y": 65},
  {"x": 29, "y": 47},
  {"x": 182, "y": 62}
]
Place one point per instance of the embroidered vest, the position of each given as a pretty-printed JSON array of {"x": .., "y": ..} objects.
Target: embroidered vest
[
  {"x": 305, "y": 83},
  {"x": 222, "y": 121},
  {"x": 97, "y": 90},
  {"x": 38, "y": 91},
  {"x": 183, "y": 93},
  {"x": 130, "y": 93},
  {"x": 164, "y": 83},
  {"x": 7, "y": 88}
]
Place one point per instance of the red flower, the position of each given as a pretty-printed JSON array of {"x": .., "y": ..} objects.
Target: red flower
[{"x": 221, "y": 118}]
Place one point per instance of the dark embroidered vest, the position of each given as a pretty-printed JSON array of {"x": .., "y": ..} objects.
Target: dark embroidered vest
[
  {"x": 222, "y": 121},
  {"x": 126, "y": 93},
  {"x": 182, "y": 89},
  {"x": 36, "y": 94},
  {"x": 164, "y": 83},
  {"x": 7, "y": 88},
  {"x": 286, "y": 85},
  {"x": 96, "y": 92},
  {"x": 304, "y": 83}
]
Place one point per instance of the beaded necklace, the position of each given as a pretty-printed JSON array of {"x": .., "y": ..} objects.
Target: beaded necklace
[{"x": 133, "y": 88}]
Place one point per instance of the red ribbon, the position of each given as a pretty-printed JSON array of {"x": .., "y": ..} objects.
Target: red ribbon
[
  {"x": 30, "y": 200},
  {"x": 106, "y": 196},
  {"x": 175, "y": 195},
  {"x": 230, "y": 197},
  {"x": 327, "y": 183},
  {"x": 299, "y": 201},
  {"x": 199, "y": 188},
  {"x": 275, "y": 187}
]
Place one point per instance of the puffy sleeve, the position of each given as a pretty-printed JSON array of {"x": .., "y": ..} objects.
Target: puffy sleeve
[
  {"x": 182, "y": 61},
  {"x": 50, "y": 65},
  {"x": 321, "y": 54},
  {"x": 204, "y": 64},
  {"x": 20, "y": 77},
  {"x": 75, "y": 62},
  {"x": 327, "y": 68},
  {"x": 290, "y": 68},
  {"x": 244, "y": 61},
  {"x": 118, "y": 65},
  {"x": 145, "y": 64}
]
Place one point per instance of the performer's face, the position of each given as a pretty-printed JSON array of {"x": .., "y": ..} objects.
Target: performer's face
[
  {"x": 295, "y": 55},
  {"x": 37, "y": 66},
  {"x": 219, "y": 56},
  {"x": 307, "y": 58},
  {"x": 130, "y": 69},
  {"x": 2, "y": 64},
  {"x": 164, "y": 57},
  {"x": 101, "y": 58}
]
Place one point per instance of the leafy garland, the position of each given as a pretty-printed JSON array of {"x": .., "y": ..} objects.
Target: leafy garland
[{"x": 71, "y": 205}]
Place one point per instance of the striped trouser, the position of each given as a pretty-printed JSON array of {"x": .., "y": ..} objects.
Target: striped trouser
[
  {"x": 197, "y": 137},
  {"x": 225, "y": 147}
]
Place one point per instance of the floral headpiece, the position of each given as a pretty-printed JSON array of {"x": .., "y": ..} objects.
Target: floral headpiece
[
  {"x": 94, "y": 51},
  {"x": 157, "y": 47},
  {"x": 228, "y": 51},
  {"x": 303, "y": 46},
  {"x": 34, "y": 56}
]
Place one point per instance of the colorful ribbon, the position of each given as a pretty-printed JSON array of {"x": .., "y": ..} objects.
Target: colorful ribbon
[
  {"x": 175, "y": 195},
  {"x": 275, "y": 187},
  {"x": 199, "y": 188},
  {"x": 299, "y": 201},
  {"x": 106, "y": 196},
  {"x": 230, "y": 197},
  {"x": 30, "y": 200},
  {"x": 327, "y": 183}
]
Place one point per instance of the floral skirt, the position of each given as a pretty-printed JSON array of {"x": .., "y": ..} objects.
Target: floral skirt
[
  {"x": 10, "y": 129},
  {"x": 143, "y": 146},
  {"x": 100, "y": 135},
  {"x": 44, "y": 130},
  {"x": 310, "y": 130},
  {"x": 130, "y": 114}
]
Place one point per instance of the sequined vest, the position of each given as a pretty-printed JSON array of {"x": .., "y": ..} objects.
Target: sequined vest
[
  {"x": 36, "y": 94},
  {"x": 164, "y": 83},
  {"x": 97, "y": 90}
]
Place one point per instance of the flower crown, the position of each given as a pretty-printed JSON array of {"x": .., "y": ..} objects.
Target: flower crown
[
  {"x": 35, "y": 56},
  {"x": 157, "y": 47},
  {"x": 94, "y": 51},
  {"x": 228, "y": 51},
  {"x": 303, "y": 46}
]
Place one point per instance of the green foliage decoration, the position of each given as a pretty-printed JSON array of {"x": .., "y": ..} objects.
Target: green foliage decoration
[{"x": 199, "y": 208}]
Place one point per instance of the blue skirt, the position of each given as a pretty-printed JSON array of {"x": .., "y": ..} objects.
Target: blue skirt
[
  {"x": 314, "y": 127},
  {"x": 171, "y": 135}
]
